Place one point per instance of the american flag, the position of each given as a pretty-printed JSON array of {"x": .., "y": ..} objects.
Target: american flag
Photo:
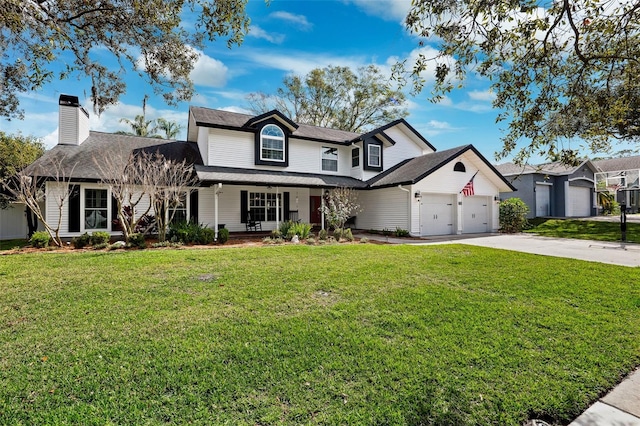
[{"x": 468, "y": 188}]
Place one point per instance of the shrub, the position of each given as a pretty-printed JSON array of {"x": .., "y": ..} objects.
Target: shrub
[
  {"x": 323, "y": 234},
  {"x": 99, "y": 238},
  {"x": 183, "y": 231},
  {"x": 81, "y": 241},
  {"x": 386, "y": 232},
  {"x": 285, "y": 227},
  {"x": 337, "y": 234},
  {"x": 276, "y": 234},
  {"x": 137, "y": 241},
  {"x": 161, "y": 244},
  {"x": 223, "y": 235},
  {"x": 348, "y": 235},
  {"x": 302, "y": 230},
  {"x": 401, "y": 232},
  {"x": 311, "y": 241},
  {"x": 40, "y": 239},
  {"x": 513, "y": 215},
  {"x": 206, "y": 236},
  {"x": 100, "y": 246},
  {"x": 364, "y": 240}
]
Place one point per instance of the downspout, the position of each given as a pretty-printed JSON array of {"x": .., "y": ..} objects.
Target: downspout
[
  {"x": 408, "y": 191},
  {"x": 277, "y": 209},
  {"x": 216, "y": 192}
]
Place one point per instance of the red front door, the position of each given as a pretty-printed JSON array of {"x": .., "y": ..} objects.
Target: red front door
[{"x": 315, "y": 202}]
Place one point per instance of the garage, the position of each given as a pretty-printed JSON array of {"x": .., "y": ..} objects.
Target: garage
[
  {"x": 437, "y": 214},
  {"x": 543, "y": 200},
  {"x": 579, "y": 202},
  {"x": 475, "y": 215}
]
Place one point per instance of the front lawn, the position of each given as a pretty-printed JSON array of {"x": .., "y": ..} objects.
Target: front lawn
[
  {"x": 355, "y": 334},
  {"x": 584, "y": 229}
]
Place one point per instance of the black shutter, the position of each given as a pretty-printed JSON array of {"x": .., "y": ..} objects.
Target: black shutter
[
  {"x": 286, "y": 206},
  {"x": 74, "y": 208},
  {"x": 193, "y": 206},
  {"x": 244, "y": 206},
  {"x": 115, "y": 222}
]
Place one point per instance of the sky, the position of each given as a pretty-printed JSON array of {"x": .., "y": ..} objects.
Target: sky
[{"x": 290, "y": 37}]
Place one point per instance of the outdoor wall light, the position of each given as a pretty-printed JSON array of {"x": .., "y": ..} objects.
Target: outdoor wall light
[{"x": 418, "y": 194}]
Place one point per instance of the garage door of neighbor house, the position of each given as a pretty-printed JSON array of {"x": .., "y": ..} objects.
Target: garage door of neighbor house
[
  {"x": 475, "y": 214},
  {"x": 437, "y": 214},
  {"x": 543, "y": 199},
  {"x": 579, "y": 201}
]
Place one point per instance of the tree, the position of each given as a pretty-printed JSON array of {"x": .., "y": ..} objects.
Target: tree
[
  {"x": 336, "y": 97},
  {"x": 16, "y": 153},
  {"x": 49, "y": 183},
  {"x": 170, "y": 182},
  {"x": 170, "y": 128},
  {"x": 564, "y": 70},
  {"x": 150, "y": 37},
  {"x": 339, "y": 205}
]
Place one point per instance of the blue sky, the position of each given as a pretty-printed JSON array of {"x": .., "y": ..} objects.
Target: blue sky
[{"x": 290, "y": 37}]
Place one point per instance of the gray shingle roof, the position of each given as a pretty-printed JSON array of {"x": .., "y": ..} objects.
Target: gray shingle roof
[
  {"x": 615, "y": 164},
  {"x": 555, "y": 168},
  {"x": 82, "y": 162},
  {"x": 225, "y": 119},
  {"x": 237, "y": 176}
]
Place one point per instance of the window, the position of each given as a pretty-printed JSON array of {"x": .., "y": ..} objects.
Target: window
[
  {"x": 262, "y": 206},
  {"x": 178, "y": 212},
  {"x": 355, "y": 157},
  {"x": 95, "y": 208},
  {"x": 374, "y": 156},
  {"x": 329, "y": 159},
  {"x": 459, "y": 167},
  {"x": 272, "y": 143}
]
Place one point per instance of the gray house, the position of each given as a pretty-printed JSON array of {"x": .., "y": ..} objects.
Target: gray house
[
  {"x": 627, "y": 168},
  {"x": 553, "y": 189}
]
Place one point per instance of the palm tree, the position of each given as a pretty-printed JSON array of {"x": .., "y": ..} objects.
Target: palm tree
[
  {"x": 140, "y": 126},
  {"x": 170, "y": 128}
]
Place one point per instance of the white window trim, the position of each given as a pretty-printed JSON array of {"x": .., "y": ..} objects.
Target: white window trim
[
  {"x": 379, "y": 148},
  {"x": 83, "y": 204},
  {"x": 322, "y": 150},
  {"x": 280, "y": 138}
]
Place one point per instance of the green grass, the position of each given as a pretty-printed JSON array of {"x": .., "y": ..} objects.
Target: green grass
[
  {"x": 359, "y": 334},
  {"x": 584, "y": 229},
  {"x": 11, "y": 244}
]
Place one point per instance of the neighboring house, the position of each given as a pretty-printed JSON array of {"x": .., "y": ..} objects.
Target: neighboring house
[
  {"x": 553, "y": 189},
  {"x": 628, "y": 171},
  {"x": 269, "y": 169}
]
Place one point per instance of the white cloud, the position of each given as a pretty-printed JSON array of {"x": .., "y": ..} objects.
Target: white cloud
[
  {"x": 209, "y": 72},
  {"x": 390, "y": 10},
  {"x": 300, "y": 21},
  {"x": 257, "y": 32},
  {"x": 435, "y": 127},
  {"x": 482, "y": 95},
  {"x": 301, "y": 62}
]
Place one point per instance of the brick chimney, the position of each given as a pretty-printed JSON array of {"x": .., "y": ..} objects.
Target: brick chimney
[{"x": 73, "y": 121}]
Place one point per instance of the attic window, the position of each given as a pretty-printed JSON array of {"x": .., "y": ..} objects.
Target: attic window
[
  {"x": 272, "y": 143},
  {"x": 459, "y": 167}
]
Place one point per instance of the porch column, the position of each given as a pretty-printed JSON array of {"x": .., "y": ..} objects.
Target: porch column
[
  {"x": 277, "y": 210},
  {"x": 459, "y": 218}
]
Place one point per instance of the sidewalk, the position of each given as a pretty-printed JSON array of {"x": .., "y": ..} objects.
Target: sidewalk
[{"x": 621, "y": 406}]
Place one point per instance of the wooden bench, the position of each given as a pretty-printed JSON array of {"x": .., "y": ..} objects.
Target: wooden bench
[{"x": 253, "y": 225}]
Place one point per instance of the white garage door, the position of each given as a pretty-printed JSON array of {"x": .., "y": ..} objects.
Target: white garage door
[
  {"x": 542, "y": 200},
  {"x": 579, "y": 202},
  {"x": 475, "y": 214},
  {"x": 437, "y": 214}
]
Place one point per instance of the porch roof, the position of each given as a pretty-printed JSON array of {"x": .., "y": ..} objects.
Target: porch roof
[{"x": 236, "y": 176}]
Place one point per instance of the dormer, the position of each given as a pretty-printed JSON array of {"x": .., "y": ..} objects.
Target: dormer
[{"x": 271, "y": 143}]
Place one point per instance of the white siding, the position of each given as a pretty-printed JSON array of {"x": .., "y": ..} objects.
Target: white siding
[
  {"x": 13, "y": 222},
  {"x": 403, "y": 149},
  {"x": 230, "y": 148},
  {"x": 383, "y": 208},
  {"x": 203, "y": 144}
]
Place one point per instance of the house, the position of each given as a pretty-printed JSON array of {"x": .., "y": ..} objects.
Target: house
[
  {"x": 553, "y": 189},
  {"x": 621, "y": 175},
  {"x": 267, "y": 168}
]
